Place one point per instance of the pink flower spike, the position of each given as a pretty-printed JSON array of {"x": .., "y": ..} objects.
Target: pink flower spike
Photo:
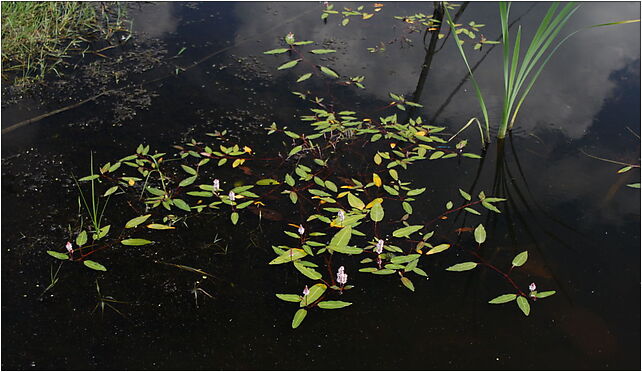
[
  {"x": 301, "y": 230},
  {"x": 216, "y": 186},
  {"x": 289, "y": 38},
  {"x": 379, "y": 247},
  {"x": 306, "y": 291},
  {"x": 532, "y": 287},
  {"x": 342, "y": 277},
  {"x": 70, "y": 247},
  {"x": 232, "y": 196}
]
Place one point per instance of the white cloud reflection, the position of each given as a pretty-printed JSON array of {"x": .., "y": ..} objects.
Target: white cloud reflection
[{"x": 568, "y": 94}]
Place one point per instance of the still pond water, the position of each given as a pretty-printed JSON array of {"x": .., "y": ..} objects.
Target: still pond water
[{"x": 573, "y": 213}]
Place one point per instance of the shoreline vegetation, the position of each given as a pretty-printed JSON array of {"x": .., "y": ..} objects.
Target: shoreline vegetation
[{"x": 40, "y": 37}]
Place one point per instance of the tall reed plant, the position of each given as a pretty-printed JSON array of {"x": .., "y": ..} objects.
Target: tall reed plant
[{"x": 520, "y": 75}]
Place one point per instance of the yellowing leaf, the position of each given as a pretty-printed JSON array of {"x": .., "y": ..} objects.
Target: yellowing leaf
[
  {"x": 367, "y": 15},
  {"x": 247, "y": 149},
  {"x": 376, "y": 179},
  {"x": 375, "y": 201}
]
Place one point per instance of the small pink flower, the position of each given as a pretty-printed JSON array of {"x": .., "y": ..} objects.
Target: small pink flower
[
  {"x": 289, "y": 38},
  {"x": 342, "y": 277},
  {"x": 232, "y": 196},
  {"x": 70, "y": 247},
  {"x": 216, "y": 186},
  {"x": 301, "y": 230},
  {"x": 379, "y": 247},
  {"x": 532, "y": 287},
  {"x": 306, "y": 291},
  {"x": 341, "y": 216}
]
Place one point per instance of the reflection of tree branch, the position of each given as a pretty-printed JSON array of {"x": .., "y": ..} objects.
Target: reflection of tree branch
[
  {"x": 438, "y": 14},
  {"x": 455, "y": 19},
  {"x": 461, "y": 83}
]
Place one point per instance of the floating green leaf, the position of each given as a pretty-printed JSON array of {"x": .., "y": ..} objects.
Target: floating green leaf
[
  {"x": 188, "y": 181},
  {"x": 376, "y": 213},
  {"x": 523, "y": 304},
  {"x": 520, "y": 259},
  {"x": 110, "y": 191},
  {"x": 439, "y": 248},
  {"x": 135, "y": 241},
  {"x": 58, "y": 255},
  {"x": 416, "y": 192},
  {"x": 503, "y": 299},
  {"x": 277, "y": 51},
  {"x": 181, "y": 204},
  {"x": 289, "y": 297},
  {"x": 404, "y": 259},
  {"x": 544, "y": 294},
  {"x": 322, "y": 51},
  {"x": 290, "y": 255},
  {"x": 355, "y": 202},
  {"x": 634, "y": 185},
  {"x": 405, "y": 281},
  {"x": 464, "y": 194},
  {"x": 480, "y": 234},
  {"x": 289, "y": 64},
  {"x": 295, "y": 150},
  {"x": 464, "y": 266},
  {"x": 157, "y": 226},
  {"x": 470, "y": 210},
  {"x": 81, "y": 239},
  {"x": 89, "y": 178},
  {"x": 436, "y": 155},
  {"x": 315, "y": 292},
  {"x": 289, "y": 180},
  {"x": 310, "y": 273},
  {"x": 406, "y": 231},
  {"x": 94, "y": 265},
  {"x": 329, "y": 72},
  {"x": 384, "y": 272},
  {"x": 304, "y": 77},
  {"x": 136, "y": 221},
  {"x": 298, "y": 317},
  {"x": 234, "y": 217},
  {"x": 333, "y": 304},
  {"x": 340, "y": 239},
  {"x": 189, "y": 169}
]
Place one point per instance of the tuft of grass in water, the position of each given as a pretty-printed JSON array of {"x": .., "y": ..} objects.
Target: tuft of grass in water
[
  {"x": 38, "y": 36},
  {"x": 520, "y": 76}
]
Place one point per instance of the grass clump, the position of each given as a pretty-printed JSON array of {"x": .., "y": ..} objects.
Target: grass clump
[{"x": 38, "y": 36}]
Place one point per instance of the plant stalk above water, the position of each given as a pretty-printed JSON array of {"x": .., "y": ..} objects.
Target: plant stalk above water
[{"x": 517, "y": 73}]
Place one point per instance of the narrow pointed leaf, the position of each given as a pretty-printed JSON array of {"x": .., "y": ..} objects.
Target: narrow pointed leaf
[
  {"x": 464, "y": 266},
  {"x": 503, "y": 299},
  {"x": 480, "y": 234},
  {"x": 333, "y": 304},
  {"x": 523, "y": 304},
  {"x": 520, "y": 259},
  {"x": 136, "y": 221},
  {"x": 298, "y": 317},
  {"x": 94, "y": 265},
  {"x": 289, "y": 64}
]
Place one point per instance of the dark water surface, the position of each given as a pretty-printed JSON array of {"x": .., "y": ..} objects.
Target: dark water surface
[{"x": 574, "y": 214}]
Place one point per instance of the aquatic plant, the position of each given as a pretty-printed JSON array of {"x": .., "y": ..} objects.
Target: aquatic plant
[
  {"x": 520, "y": 75},
  {"x": 348, "y": 206},
  {"x": 347, "y": 13}
]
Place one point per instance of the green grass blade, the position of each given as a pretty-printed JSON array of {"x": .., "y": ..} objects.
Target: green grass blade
[
  {"x": 478, "y": 93},
  {"x": 545, "y": 41}
]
